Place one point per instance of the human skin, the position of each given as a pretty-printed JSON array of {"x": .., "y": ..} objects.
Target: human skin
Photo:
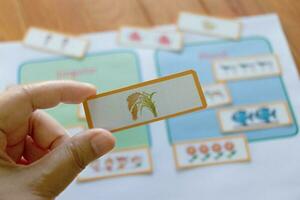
[{"x": 38, "y": 159}]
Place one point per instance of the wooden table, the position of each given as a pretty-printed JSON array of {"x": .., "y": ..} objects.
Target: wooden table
[{"x": 82, "y": 16}]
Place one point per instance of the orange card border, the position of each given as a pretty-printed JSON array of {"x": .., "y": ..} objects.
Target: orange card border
[{"x": 166, "y": 78}]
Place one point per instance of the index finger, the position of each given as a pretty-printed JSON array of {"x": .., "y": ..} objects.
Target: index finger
[{"x": 18, "y": 103}]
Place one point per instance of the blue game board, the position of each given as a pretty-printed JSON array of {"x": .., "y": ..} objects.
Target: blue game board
[{"x": 199, "y": 56}]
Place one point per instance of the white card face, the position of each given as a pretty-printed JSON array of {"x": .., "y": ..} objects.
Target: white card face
[
  {"x": 75, "y": 130},
  {"x": 212, "y": 26},
  {"x": 120, "y": 163},
  {"x": 246, "y": 67},
  {"x": 137, "y": 37},
  {"x": 146, "y": 102},
  {"x": 216, "y": 95},
  {"x": 55, "y": 42},
  {"x": 211, "y": 152},
  {"x": 252, "y": 117},
  {"x": 80, "y": 112}
]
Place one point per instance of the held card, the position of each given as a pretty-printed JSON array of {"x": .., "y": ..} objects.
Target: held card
[{"x": 145, "y": 102}]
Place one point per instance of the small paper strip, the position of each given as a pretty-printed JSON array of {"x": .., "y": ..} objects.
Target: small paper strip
[
  {"x": 75, "y": 130},
  {"x": 253, "y": 117},
  {"x": 211, "y": 152},
  {"x": 55, "y": 42},
  {"x": 138, "y": 37},
  {"x": 212, "y": 26},
  {"x": 239, "y": 68},
  {"x": 216, "y": 95},
  {"x": 145, "y": 102},
  {"x": 80, "y": 112},
  {"x": 119, "y": 163}
]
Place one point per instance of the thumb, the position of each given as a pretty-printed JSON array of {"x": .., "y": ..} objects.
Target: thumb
[{"x": 55, "y": 171}]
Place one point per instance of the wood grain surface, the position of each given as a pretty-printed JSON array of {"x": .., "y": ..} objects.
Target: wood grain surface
[{"x": 83, "y": 16}]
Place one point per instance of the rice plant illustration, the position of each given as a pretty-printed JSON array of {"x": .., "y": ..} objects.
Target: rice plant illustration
[
  {"x": 208, "y": 25},
  {"x": 139, "y": 101}
]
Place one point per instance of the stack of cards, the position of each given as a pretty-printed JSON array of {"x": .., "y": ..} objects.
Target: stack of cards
[
  {"x": 173, "y": 40},
  {"x": 63, "y": 44}
]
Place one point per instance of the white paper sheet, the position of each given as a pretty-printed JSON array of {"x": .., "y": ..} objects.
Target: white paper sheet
[{"x": 273, "y": 173}]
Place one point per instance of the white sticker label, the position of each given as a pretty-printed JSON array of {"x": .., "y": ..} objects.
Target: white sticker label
[
  {"x": 239, "y": 68},
  {"x": 55, "y": 42},
  {"x": 146, "y": 102},
  {"x": 216, "y": 95},
  {"x": 75, "y": 130},
  {"x": 252, "y": 117},
  {"x": 120, "y": 163},
  {"x": 212, "y": 26},
  {"x": 211, "y": 152},
  {"x": 80, "y": 112},
  {"x": 137, "y": 37}
]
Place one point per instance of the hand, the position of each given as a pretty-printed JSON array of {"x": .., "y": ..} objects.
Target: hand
[{"x": 28, "y": 135}]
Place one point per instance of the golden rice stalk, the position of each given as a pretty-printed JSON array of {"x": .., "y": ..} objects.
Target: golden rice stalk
[{"x": 138, "y": 101}]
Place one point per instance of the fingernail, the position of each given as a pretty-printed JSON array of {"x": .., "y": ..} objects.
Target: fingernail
[
  {"x": 89, "y": 85},
  {"x": 102, "y": 143}
]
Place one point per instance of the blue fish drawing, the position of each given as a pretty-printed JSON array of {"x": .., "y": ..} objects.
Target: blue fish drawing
[
  {"x": 242, "y": 117},
  {"x": 265, "y": 114}
]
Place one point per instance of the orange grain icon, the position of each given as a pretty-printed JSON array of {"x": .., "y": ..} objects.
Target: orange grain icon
[
  {"x": 139, "y": 101},
  {"x": 208, "y": 25}
]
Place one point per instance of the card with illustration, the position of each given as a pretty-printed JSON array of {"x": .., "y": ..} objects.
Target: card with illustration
[
  {"x": 46, "y": 40},
  {"x": 119, "y": 163},
  {"x": 200, "y": 56},
  {"x": 217, "y": 95},
  {"x": 212, "y": 151},
  {"x": 213, "y": 26},
  {"x": 141, "y": 37},
  {"x": 246, "y": 67},
  {"x": 123, "y": 162},
  {"x": 256, "y": 116},
  {"x": 145, "y": 102},
  {"x": 106, "y": 70}
]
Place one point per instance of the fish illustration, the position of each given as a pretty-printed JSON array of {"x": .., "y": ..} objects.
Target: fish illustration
[
  {"x": 265, "y": 114},
  {"x": 242, "y": 117}
]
